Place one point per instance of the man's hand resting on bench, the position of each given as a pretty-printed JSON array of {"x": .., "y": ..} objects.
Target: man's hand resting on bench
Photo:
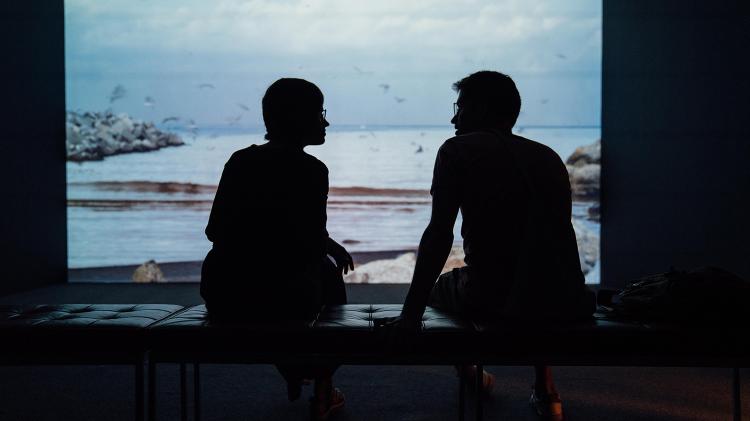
[{"x": 398, "y": 332}]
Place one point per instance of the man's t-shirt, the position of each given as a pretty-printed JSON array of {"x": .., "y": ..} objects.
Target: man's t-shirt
[
  {"x": 268, "y": 228},
  {"x": 508, "y": 188}
]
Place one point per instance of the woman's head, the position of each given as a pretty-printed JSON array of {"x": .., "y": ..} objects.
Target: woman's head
[{"x": 293, "y": 112}]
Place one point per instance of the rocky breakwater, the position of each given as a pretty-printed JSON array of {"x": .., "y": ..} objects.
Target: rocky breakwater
[
  {"x": 90, "y": 136},
  {"x": 584, "y": 169}
]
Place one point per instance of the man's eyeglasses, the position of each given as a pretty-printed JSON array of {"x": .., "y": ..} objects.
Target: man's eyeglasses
[
  {"x": 323, "y": 114},
  {"x": 456, "y": 108}
]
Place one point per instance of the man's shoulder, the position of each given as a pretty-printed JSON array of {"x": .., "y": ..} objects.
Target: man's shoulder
[
  {"x": 535, "y": 148},
  {"x": 244, "y": 153},
  {"x": 465, "y": 141}
]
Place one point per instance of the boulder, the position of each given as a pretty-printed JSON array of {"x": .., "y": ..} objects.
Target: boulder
[
  {"x": 588, "y": 246},
  {"x": 588, "y": 154},
  {"x": 147, "y": 273},
  {"x": 585, "y": 182},
  {"x": 584, "y": 170}
]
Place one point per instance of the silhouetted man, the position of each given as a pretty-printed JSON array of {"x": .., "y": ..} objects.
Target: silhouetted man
[
  {"x": 514, "y": 196},
  {"x": 268, "y": 228}
]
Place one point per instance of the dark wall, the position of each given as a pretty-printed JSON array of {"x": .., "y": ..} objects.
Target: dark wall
[
  {"x": 33, "y": 244},
  {"x": 676, "y": 140}
]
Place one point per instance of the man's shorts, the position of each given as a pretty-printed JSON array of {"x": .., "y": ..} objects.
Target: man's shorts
[
  {"x": 457, "y": 292},
  {"x": 450, "y": 292}
]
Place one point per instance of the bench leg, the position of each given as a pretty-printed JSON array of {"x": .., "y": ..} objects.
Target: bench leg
[
  {"x": 197, "y": 390},
  {"x": 461, "y": 396},
  {"x": 480, "y": 381},
  {"x": 151, "y": 390},
  {"x": 737, "y": 395},
  {"x": 183, "y": 391},
  {"x": 139, "y": 392}
]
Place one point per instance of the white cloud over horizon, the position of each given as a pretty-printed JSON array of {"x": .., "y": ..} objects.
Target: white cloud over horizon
[{"x": 163, "y": 49}]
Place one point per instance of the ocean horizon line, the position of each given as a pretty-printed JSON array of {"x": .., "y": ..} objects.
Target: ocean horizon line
[{"x": 254, "y": 129}]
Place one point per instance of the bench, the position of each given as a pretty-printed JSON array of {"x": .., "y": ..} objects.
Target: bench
[
  {"x": 69, "y": 334},
  {"x": 141, "y": 335},
  {"x": 346, "y": 334}
]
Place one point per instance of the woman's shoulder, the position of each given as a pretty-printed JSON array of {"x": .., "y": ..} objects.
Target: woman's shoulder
[{"x": 315, "y": 163}]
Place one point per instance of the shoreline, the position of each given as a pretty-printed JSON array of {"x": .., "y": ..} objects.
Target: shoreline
[{"x": 189, "y": 271}]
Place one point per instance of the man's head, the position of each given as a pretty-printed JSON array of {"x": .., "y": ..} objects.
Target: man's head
[
  {"x": 486, "y": 100},
  {"x": 293, "y": 112}
]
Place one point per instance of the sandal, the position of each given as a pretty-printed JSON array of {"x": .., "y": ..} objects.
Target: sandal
[
  {"x": 547, "y": 406},
  {"x": 469, "y": 373},
  {"x": 321, "y": 411}
]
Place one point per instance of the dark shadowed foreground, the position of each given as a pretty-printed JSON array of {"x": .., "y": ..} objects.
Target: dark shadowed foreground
[{"x": 256, "y": 392}]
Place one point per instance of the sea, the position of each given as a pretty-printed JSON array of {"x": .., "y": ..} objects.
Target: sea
[{"x": 131, "y": 208}]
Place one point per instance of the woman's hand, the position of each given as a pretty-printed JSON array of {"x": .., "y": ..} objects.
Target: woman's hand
[{"x": 343, "y": 259}]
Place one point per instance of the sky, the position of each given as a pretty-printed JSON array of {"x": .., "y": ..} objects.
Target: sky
[{"x": 388, "y": 62}]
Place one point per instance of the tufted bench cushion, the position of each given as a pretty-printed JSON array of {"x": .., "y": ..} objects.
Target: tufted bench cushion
[
  {"x": 77, "y": 332},
  {"x": 349, "y": 332},
  {"x": 191, "y": 335},
  {"x": 342, "y": 333}
]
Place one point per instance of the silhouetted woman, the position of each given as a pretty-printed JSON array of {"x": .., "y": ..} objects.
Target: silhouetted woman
[{"x": 268, "y": 228}]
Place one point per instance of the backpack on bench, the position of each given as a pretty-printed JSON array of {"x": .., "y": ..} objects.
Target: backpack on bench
[{"x": 702, "y": 294}]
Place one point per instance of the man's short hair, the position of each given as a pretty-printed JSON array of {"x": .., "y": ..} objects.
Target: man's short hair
[
  {"x": 286, "y": 104},
  {"x": 494, "y": 89}
]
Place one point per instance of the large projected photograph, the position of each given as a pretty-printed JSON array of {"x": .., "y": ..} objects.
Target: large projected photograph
[{"x": 160, "y": 94}]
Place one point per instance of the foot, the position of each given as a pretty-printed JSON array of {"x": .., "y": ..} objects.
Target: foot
[
  {"x": 469, "y": 373},
  {"x": 322, "y": 408},
  {"x": 547, "y": 405}
]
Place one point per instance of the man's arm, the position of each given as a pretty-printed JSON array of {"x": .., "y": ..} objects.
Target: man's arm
[{"x": 434, "y": 248}]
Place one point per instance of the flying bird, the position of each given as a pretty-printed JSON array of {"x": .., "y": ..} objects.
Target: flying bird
[
  {"x": 561, "y": 56},
  {"x": 168, "y": 119},
  {"x": 206, "y": 86},
  {"x": 148, "y": 102},
  {"x": 385, "y": 87},
  {"x": 234, "y": 119},
  {"x": 117, "y": 93},
  {"x": 544, "y": 101},
  {"x": 243, "y": 106},
  {"x": 419, "y": 149},
  {"x": 361, "y": 72},
  {"x": 399, "y": 99}
]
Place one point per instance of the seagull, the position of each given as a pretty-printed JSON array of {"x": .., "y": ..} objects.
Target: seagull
[
  {"x": 561, "y": 56},
  {"x": 385, "y": 87},
  {"x": 117, "y": 93},
  {"x": 399, "y": 99},
  {"x": 148, "y": 102},
  {"x": 243, "y": 106},
  {"x": 168, "y": 119},
  {"x": 361, "y": 72},
  {"x": 419, "y": 149},
  {"x": 544, "y": 101},
  {"x": 206, "y": 86},
  {"x": 234, "y": 119}
]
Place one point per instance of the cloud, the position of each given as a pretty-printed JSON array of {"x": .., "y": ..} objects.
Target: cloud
[
  {"x": 310, "y": 27},
  {"x": 164, "y": 48}
]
